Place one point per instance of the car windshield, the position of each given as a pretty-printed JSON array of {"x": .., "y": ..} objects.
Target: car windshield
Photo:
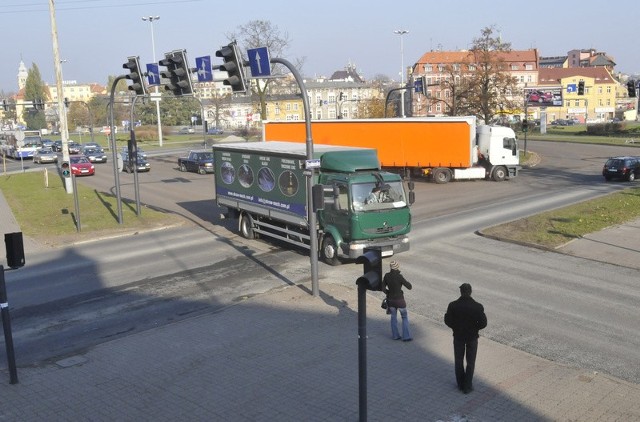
[
  {"x": 78, "y": 160},
  {"x": 374, "y": 196}
]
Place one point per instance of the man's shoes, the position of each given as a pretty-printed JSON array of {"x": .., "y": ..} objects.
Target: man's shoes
[
  {"x": 407, "y": 339},
  {"x": 467, "y": 390},
  {"x": 397, "y": 338}
]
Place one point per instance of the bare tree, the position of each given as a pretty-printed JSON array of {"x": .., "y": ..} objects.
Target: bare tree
[
  {"x": 491, "y": 84},
  {"x": 259, "y": 33}
]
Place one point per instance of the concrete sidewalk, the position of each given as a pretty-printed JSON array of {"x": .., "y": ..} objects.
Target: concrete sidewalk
[{"x": 287, "y": 356}]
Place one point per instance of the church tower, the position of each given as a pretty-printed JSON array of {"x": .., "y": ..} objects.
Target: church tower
[{"x": 22, "y": 75}]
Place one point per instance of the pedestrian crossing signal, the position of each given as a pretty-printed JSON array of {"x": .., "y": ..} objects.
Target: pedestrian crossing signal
[{"x": 66, "y": 170}]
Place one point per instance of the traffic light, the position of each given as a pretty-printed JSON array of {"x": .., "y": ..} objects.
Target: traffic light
[
  {"x": 371, "y": 277},
  {"x": 66, "y": 102},
  {"x": 38, "y": 104},
  {"x": 341, "y": 96},
  {"x": 525, "y": 125},
  {"x": 234, "y": 66},
  {"x": 631, "y": 88},
  {"x": 66, "y": 170},
  {"x": 5, "y": 106},
  {"x": 178, "y": 74},
  {"x": 320, "y": 102},
  {"x": 137, "y": 83},
  {"x": 581, "y": 88}
]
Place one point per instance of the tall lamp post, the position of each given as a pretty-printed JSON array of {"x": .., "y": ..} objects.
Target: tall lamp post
[
  {"x": 157, "y": 97},
  {"x": 401, "y": 32}
]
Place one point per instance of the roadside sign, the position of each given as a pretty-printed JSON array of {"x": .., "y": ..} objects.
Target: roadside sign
[
  {"x": 312, "y": 164},
  {"x": 203, "y": 69},
  {"x": 259, "y": 62},
  {"x": 19, "y": 135},
  {"x": 153, "y": 74}
]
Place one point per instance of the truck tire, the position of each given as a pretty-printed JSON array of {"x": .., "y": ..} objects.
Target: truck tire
[
  {"x": 441, "y": 175},
  {"x": 246, "y": 226},
  {"x": 499, "y": 174},
  {"x": 183, "y": 168},
  {"x": 631, "y": 177},
  {"x": 201, "y": 170},
  {"x": 329, "y": 251}
]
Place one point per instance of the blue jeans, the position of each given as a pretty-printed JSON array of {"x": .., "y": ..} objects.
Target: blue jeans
[{"x": 406, "y": 335}]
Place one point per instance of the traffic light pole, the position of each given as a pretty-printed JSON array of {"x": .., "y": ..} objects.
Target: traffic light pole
[
  {"x": 6, "y": 324},
  {"x": 313, "y": 232},
  {"x": 113, "y": 146}
]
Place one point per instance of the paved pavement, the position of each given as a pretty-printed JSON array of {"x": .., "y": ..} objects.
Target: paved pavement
[{"x": 288, "y": 356}]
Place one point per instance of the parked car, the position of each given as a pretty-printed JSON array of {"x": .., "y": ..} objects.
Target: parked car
[
  {"x": 197, "y": 161},
  {"x": 74, "y": 148},
  {"x": 625, "y": 168},
  {"x": 187, "y": 130},
  {"x": 81, "y": 166},
  {"x": 215, "y": 131},
  {"x": 127, "y": 166},
  {"x": 93, "y": 145},
  {"x": 94, "y": 155},
  {"x": 45, "y": 155},
  {"x": 125, "y": 150}
]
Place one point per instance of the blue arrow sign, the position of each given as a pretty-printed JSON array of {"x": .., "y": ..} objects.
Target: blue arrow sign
[
  {"x": 572, "y": 88},
  {"x": 153, "y": 75},
  {"x": 417, "y": 85},
  {"x": 259, "y": 62},
  {"x": 203, "y": 68}
]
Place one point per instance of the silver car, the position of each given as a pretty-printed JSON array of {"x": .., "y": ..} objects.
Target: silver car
[{"x": 45, "y": 155}]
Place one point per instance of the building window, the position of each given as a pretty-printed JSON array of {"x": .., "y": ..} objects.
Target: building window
[
  {"x": 428, "y": 68},
  {"x": 456, "y": 67},
  {"x": 288, "y": 107},
  {"x": 528, "y": 66},
  {"x": 514, "y": 67},
  {"x": 472, "y": 68},
  {"x": 441, "y": 68}
]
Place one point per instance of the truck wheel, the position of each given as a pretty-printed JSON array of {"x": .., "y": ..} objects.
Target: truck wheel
[
  {"x": 499, "y": 174},
  {"x": 183, "y": 168},
  {"x": 201, "y": 170},
  {"x": 441, "y": 176},
  {"x": 329, "y": 251},
  {"x": 631, "y": 177},
  {"x": 246, "y": 227}
]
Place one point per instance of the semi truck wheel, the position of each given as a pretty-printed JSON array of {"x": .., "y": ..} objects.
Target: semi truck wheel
[
  {"x": 246, "y": 227},
  {"x": 441, "y": 175},
  {"x": 499, "y": 174},
  {"x": 329, "y": 251}
]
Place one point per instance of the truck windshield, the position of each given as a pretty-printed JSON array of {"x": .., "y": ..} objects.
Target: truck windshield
[{"x": 373, "y": 196}]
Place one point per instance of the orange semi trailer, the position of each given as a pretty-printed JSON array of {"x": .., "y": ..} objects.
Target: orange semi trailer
[{"x": 442, "y": 148}]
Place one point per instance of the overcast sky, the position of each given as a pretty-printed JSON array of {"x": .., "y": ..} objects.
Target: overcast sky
[{"x": 96, "y": 36}]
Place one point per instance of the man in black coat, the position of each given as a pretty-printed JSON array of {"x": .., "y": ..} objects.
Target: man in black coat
[{"x": 465, "y": 317}]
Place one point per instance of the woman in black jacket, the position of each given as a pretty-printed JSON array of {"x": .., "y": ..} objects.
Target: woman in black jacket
[{"x": 392, "y": 286}]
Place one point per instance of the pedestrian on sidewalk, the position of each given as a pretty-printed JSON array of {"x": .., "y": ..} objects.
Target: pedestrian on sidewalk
[
  {"x": 465, "y": 317},
  {"x": 392, "y": 284}
]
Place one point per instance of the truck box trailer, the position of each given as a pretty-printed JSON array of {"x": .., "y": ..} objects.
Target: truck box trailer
[
  {"x": 264, "y": 186},
  {"x": 442, "y": 148}
]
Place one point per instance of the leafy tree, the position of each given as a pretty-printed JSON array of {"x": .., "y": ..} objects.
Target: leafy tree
[
  {"x": 35, "y": 89},
  {"x": 490, "y": 85},
  {"x": 371, "y": 108},
  {"x": 260, "y": 33}
]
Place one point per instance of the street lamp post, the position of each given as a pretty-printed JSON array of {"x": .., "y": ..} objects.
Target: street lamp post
[
  {"x": 157, "y": 99},
  {"x": 401, "y": 32}
]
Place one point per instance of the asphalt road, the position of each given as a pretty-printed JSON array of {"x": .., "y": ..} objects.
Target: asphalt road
[{"x": 563, "y": 308}]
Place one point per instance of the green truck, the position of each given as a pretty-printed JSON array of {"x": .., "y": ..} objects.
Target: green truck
[{"x": 264, "y": 186}]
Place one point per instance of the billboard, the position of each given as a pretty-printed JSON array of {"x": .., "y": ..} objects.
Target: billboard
[{"x": 543, "y": 97}]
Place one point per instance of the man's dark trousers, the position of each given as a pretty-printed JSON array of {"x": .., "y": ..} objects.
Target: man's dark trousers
[{"x": 460, "y": 348}]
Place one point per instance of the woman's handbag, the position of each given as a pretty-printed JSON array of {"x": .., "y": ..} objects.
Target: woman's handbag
[{"x": 384, "y": 304}]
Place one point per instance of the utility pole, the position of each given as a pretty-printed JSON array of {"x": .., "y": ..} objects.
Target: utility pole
[{"x": 57, "y": 64}]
